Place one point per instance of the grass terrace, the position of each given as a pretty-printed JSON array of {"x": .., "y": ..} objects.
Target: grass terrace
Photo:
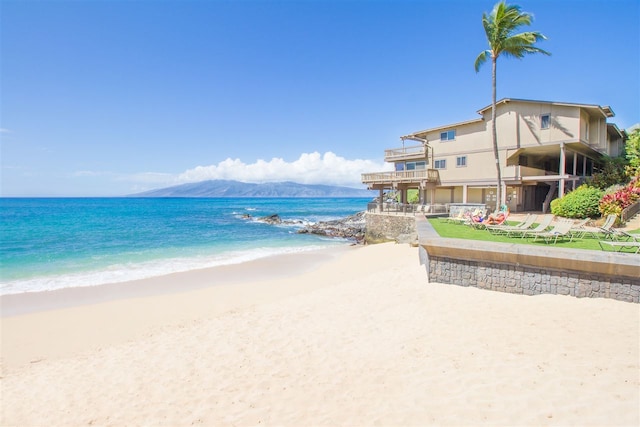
[{"x": 461, "y": 231}]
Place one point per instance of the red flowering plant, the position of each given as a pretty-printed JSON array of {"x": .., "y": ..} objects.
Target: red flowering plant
[{"x": 614, "y": 203}]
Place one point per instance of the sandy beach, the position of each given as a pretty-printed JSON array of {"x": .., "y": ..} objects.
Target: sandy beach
[{"x": 353, "y": 336}]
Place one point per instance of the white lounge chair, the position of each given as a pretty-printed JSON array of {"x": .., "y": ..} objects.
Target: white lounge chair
[
  {"x": 544, "y": 223},
  {"x": 578, "y": 229},
  {"x": 618, "y": 246},
  {"x": 561, "y": 229},
  {"x": 607, "y": 227},
  {"x": 508, "y": 229}
]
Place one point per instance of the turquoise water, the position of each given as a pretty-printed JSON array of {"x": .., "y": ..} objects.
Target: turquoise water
[{"x": 48, "y": 244}]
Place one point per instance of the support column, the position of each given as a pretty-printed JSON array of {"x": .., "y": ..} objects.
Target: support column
[
  {"x": 562, "y": 170},
  {"x": 380, "y": 199},
  {"x": 575, "y": 169},
  {"x": 464, "y": 193}
]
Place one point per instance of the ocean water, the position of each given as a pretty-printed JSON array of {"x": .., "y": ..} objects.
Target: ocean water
[{"x": 48, "y": 244}]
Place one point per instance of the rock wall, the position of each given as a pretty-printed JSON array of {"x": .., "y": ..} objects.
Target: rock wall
[
  {"x": 532, "y": 281},
  {"x": 390, "y": 228},
  {"x": 527, "y": 269}
]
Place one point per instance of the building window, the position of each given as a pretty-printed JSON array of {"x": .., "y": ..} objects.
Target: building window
[
  {"x": 449, "y": 135},
  {"x": 545, "y": 121},
  {"x": 399, "y": 167},
  {"x": 461, "y": 161},
  {"x": 416, "y": 165},
  {"x": 440, "y": 164}
]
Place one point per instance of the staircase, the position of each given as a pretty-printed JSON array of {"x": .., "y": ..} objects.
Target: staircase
[{"x": 553, "y": 186}]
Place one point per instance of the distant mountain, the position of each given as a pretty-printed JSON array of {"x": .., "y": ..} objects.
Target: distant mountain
[{"x": 224, "y": 188}]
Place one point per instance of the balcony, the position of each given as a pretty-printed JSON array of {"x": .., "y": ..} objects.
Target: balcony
[
  {"x": 416, "y": 152},
  {"x": 414, "y": 176},
  {"x": 521, "y": 172}
]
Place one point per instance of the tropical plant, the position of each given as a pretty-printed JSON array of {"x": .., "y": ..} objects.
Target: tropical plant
[
  {"x": 632, "y": 150},
  {"x": 500, "y": 27},
  {"x": 611, "y": 172},
  {"x": 616, "y": 201},
  {"x": 412, "y": 196},
  {"x": 583, "y": 202}
]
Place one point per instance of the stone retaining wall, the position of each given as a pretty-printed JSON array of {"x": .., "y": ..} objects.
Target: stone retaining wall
[
  {"x": 386, "y": 227},
  {"x": 527, "y": 269},
  {"x": 531, "y": 281}
]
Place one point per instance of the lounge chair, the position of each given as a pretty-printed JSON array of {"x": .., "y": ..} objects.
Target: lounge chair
[
  {"x": 607, "y": 227},
  {"x": 498, "y": 217},
  {"x": 508, "y": 229},
  {"x": 462, "y": 216},
  {"x": 619, "y": 246},
  {"x": 561, "y": 229},
  {"x": 623, "y": 235},
  {"x": 478, "y": 218},
  {"x": 544, "y": 223},
  {"x": 579, "y": 228}
]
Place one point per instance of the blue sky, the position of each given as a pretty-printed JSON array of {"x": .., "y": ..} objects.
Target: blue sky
[{"x": 106, "y": 98}]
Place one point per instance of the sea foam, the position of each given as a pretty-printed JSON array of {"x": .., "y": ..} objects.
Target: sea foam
[{"x": 126, "y": 272}]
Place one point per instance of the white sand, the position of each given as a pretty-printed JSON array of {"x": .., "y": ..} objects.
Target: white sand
[{"x": 361, "y": 339}]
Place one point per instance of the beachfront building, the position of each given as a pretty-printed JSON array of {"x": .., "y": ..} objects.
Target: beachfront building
[{"x": 546, "y": 149}]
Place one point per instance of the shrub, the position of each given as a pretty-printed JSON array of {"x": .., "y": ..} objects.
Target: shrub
[
  {"x": 611, "y": 172},
  {"x": 614, "y": 202},
  {"x": 632, "y": 150},
  {"x": 412, "y": 196},
  {"x": 580, "y": 203}
]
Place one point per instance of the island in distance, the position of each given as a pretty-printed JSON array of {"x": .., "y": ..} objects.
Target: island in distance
[{"x": 227, "y": 188}]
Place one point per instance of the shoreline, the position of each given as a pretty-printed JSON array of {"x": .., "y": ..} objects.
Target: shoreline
[
  {"x": 182, "y": 281},
  {"x": 355, "y": 337},
  {"x": 35, "y": 325}
]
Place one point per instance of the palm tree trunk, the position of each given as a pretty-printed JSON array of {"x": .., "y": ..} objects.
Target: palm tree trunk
[{"x": 494, "y": 61}]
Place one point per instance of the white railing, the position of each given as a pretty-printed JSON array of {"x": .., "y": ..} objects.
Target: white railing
[
  {"x": 407, "y": 208},
  {"x": 401, "y": 176},
  {"x": 416, "y": 151}
]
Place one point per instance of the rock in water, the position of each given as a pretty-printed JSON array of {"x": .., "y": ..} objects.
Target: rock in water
[
  {"x": 351, "y": 227},
  {"x": 271, "y": 219}
]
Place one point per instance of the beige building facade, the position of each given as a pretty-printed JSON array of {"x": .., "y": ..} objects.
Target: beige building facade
[{"x": 546, "y": 149}]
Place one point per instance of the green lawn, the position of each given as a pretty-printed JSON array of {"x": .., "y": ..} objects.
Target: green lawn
[{"x": 461, "y": 231}]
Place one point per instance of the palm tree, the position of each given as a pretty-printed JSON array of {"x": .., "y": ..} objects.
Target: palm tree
[{"x": 499, "y": 27}]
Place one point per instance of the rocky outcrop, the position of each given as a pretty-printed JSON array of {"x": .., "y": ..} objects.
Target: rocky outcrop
[
  {"x": 351, "y": 227},
  {"x": 272, "y": 220}
]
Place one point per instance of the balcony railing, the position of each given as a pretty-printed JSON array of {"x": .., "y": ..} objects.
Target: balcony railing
[
  {"x": 405, "y": 153},
  {"x": 431, "y": 175},
  {"x": 407, "y": 209}
]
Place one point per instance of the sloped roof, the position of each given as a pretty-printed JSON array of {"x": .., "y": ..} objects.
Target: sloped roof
[
  {"x": 606, "y": 111},
  {"x": 447, "y": 126}
]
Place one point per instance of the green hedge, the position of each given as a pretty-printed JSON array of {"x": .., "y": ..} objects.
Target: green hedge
[{"x": 580, "y": 203}]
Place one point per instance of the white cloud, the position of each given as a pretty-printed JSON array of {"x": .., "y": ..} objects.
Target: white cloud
[
  {"x": 309, "y": 168},
  {"x": 3, "y": 130}
]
